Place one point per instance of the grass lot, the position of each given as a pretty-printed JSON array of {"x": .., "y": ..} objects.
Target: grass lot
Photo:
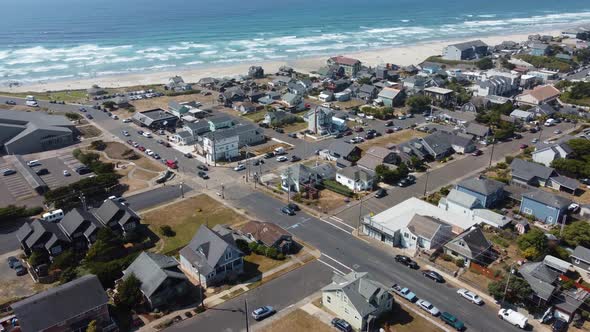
[
  {"x": 294, "y": 127},
  {"x": 89, "y": 131},
  {"x": 255, "y": 116},
  {"x": 116, "y": 150},
  {"x": 349, "y": 104},
  {"x": 401, "y": 320},
  {"x": 263, "y": 263},
  {"x": 185, "y": 218},
  {"x": 297, "y": 321},
  {"x": 67, "y": 95},
  {"x": 439, "y": 59},
  {"x": 395, "y": 138},
  {"x": 162, "y": 102}
]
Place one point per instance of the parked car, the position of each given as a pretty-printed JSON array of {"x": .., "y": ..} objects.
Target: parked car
[
  {"x": 404, "y": 183},
  {"x": 12, "y": 261},
  {"x": 240, "y": 167},
  {"x": 288, "y": 211},
  {"x": 515, "y": 318},
  {"x": 20, "y": 270},
  {"x": 42, "y": 171},
  {"x": 341, "y": 325},
  {"x": 188, "y": 155},
  {"x": 477, "y": 153},
  {"x": 10, "y": 102},
  {"x": 33, "y": 163},
  {"x": 404, "y": 292},
  {"x": 523, "y": 146},
  {"x": 451, "y": 320},
  {"x": 269, "y": 155},
  {"x": 66, "y": 172},
  {"x": 263, "y": 312},
  {"x": 428, "y": 307},
  {"x": 82, "y": 170},
  {"x": 125, "y": 133},
  {"x": 126, "y": 120},
  {"x": 8, "y": 171},
  {"x": 574, "y": 207},
  {"x": 470, "y": 296},
  {"x": 202, "y": 167},
  {"x": 293, "y": 206},
  {"x": 89, "y": 116},
  {"x": 559, "y": 325},
  {"x": 433, "y": 275},
  {"x": 407, "y": 261},
  {"x": 203, "y": 175},
  {"x": 156, "y": 156},
  {"x": 280, "y": 130},
  {"x": 381, "y": 193},
  {"x": 282, "y": 158},
  {"x": 148, "y": 135},
  {"x": 295, "y": 158}
]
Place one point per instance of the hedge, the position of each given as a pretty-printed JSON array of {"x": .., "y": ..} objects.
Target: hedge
[
  {"x": 337, "y": 188},
  {"x": 12, "y": 212}
]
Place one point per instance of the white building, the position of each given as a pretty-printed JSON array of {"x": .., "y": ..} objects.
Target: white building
[
  {"x": 466, "y": 205},
  {"x": 547, "y": 154},
  {"x": 220, "y": 148},
  {"x": 355, "y": 178}
]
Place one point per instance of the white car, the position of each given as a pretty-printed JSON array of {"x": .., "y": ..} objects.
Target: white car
[
  {"x": 282, "y": 158},
  {"x": 370, "y": 117},
  {"x": 470, "y": 296},
  {"x": 33, "y": 163},
  {"x": 240, "y": 167},
  {"x": 146, "y": 134},
  {"x": 125, "y": 133},
  {"x": 428, "y": 307},
  {"x": 513, "y": 317},
  {"x": 535, "y": 140},
  {"x": 574, "y": 207},
  {"x": 557, "y": 132},
  {"x": 149, "y": 152},
  {"x": 66, "y": 173},
  {"x": 126, "y": 120}
]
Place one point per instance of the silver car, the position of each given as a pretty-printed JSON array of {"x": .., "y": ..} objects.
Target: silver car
[
  {"x": 428, "y": 307},
  {"x": 470, "y": 296},
  {"x": 263, "y": 312}
]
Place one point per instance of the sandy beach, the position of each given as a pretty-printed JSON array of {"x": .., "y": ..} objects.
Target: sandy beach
[{"x": 403, "y": 55}]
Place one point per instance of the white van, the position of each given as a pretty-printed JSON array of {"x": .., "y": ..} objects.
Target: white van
[
  {"x": 549, "y": 122},
  {"x": 53, "y": 216},
  {"x": 31, "y": 103},
  {"x": 31, "y": 98},
  {"x": 513, "y": 317},
  {"x": 279, "y": 151}
]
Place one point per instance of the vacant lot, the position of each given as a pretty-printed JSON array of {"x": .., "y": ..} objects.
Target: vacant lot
[
  {"x": 395, "y": 138},
  {"x": 89, "y": 131},
  {"x": 162, "y": 102},
  {"x": 401, "y": 320},
  {"x": 116, "y": 150},
  {"x": 185, "y": 218},
  {"x": 255, "y": 116},
  {"x": 263, "y": 263},
  {"x": 296, "y": 321},
  {"x": 295, "y": 127},
  {"x": 67, "y": 95}
]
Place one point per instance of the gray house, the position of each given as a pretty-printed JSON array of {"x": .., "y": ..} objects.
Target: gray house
[
  {"x": 526, "y": 172},
  {"x": 471, "y": 246},
  {"x": 465, "y": 51},
  {"x": 488, "y": 192},
  {"x": 581, "y": 258},
  {"x": 211, "y": 259},
  {"x": 162, "y": 282}
]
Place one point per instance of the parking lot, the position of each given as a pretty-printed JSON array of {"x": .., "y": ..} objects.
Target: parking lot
[
  {"x": 13, "y": 187},
  {"x": 56, "y": 167}
]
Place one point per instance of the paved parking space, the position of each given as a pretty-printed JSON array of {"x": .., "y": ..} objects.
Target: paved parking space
[
  {"x": 56, "y": 166},
  {"x": 14, "y": 187}
]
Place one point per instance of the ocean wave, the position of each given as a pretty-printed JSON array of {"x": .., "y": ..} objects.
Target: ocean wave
[
  {"x": 48, "y": 68},
  {"x": 194, "y": 63}
]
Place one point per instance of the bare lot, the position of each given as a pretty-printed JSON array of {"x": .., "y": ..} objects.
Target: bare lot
[
  {"x": 395, "y": 138},
  {"x": 297, "y": 321}
]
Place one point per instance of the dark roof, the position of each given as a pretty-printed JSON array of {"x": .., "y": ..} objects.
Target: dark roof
[
  {"x": 56, "y": 305},
  {"x": 477, "y": 129},
  {"x": 482, "y": 185},
  {"x": 582, "y": 253},
  {"x": 74, "y": 219},
  {"x": 469, "y": 44},
  {"x": 567, "y": 182},
  {"x": 206, "y": 249},
  {"x": 540, "y": 278},
  {"x": 41, "y": 229},
  {"x": 265, "y": 232},
  {"x": 109, "y": 210},
  {"x": 342, "y": 60},
  {"x": 548, "y": 199},
  {"x": 437, "y": 142},
  {"x": 342, "y": 148},
  {"x": 475, "y": 243},
  {"x": 527, "y": 170},
  {"x": 24, "y": 231},
  {"x": 153, "y": 270}
]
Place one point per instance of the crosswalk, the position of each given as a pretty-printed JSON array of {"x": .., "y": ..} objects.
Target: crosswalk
[{"x": 16, "y": 184}]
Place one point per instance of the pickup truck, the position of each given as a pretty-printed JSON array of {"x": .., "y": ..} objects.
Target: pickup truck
[{"x": 404, "y": 292}]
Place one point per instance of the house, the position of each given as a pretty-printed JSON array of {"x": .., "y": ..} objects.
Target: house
[
  {"x": 293, "y": 101},
  {"x": 523, "y": 116},
  {"x": 176, "y": 83},
  {"x": 351, "y": 66},
  {"x": 564, "y": 183},
  {"x": 538, "y": 49},
  {"x": 547, "y": 154},
  {"x": 367, "y": 92},
  {"x": 494, "y": 85},
  {"x": 30, "y": 132},
  {"x": 297, "y": 177},
  {"x": 326, "y": 96},
  {"x": 539, "y": 95},
  {"x": 471, "y": 246},
  {"x": 254, "y": 95},
  {"x": 220, "y": 121},
  {"x": 459, "y": 203},
  {"x": 183, "y": 137},
  {"x": 281, "y": 81},
  {"x": 543, "y": 110},
  {"x": 340, "y": 149},
  {"x": 278, "y": 118},
  {"x": 42, "y": 236},
  {"x": 390, "y": 97},
  {"x": 211, "y": 259},
  {"x": 162, "y": 282},
  {"x": 256, "y": 72},
  {"x": 208, "y": 82},
  {"x": 376, "y": 156},
  {"x": 356, "y": 298},
  {"x": 581, "y": 259},
  {"x": 120, "y": 218},
  {"x": 244, "y": 107},
  {"x": 232, "y": 95},
  {"x": 425, "y": 233},
  {"x": 545, "y": 207},
  {"x": 319, "y": 120},
  {"x": 223, "y": 146},
  {"x": 415, "y": 84},
  {"x": 155, "y": 119},
  {"x": 178, "y": 109},
  {"x": 526, "y": 172},
  {"x": 543, "y": 277},
  {"x": 470, "y": 50},
  {"x": 95, "y": 90},
  {"x": 478, "y": 131},
  {"x": 488, "y": 192},
  {"x": 441, "y": 144},
  {"x": 269, "y": 234},
  {"x": 68, "y": 307},
  {"x": 80, "y": 226},
  {"x": 355, "y": 178},
  {"x": 198, "y": 128},
  {"x": 439, "y": 95}
]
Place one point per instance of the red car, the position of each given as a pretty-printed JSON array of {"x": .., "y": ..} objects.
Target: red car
[
  {"x": 130, "y": 142},
  {"x": 141, "y": 148},
  {"x": 523, "y": 146},
  {"x": 388, "y": 131},
  {"x": 171, "y": 163}
]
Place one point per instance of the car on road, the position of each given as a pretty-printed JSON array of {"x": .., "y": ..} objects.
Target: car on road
[
  {"x": 523, "y": 146},
  {"x": 557, "y": 132},
  {"x": 66, "y": 172},
  {"x": 428, "y": 307},
  {"x": 240, "y": 167},
  {"x": 33, "y": 163},
  {"x": 203, "y": 175},
  {"x": 341, "y": 325},
  {"x": 407, "y": 261},
  {"x": 535, "y": 140},
  {"x": 258, "y": 162},
  {"x": 82, "y": 109},
  {"x": 141, "y": 148},
  {"x": 389, "y": 123},
  {"x": 149, "y": 152},
  {"x": 42, "y": 171},
  {"x": 188, "y": 155},
  {"x": 288, "y": 211},
  {"x": 20, "y": 269},
  {"x": 125, "y": 133},
  {"x": 293, "y": 206},
  {"x": 148, "y": 135},
  {"x": 263, "y": 312},
  {"x": 295, "y": 158},
  {"x": 135, "y": 144},
  {"x": 156, "y": 156},
  {"x": 451, "y": 320},
  {"x": 282, "y": 158},
  {"x": 401, "y": 117},
  {"x": 513, "y": 317},
  {"x": 8, "y": 171},
  {"x": 89, "y": 116},
  {"x": 10, "y": 102},
  {"x": 404, "y": 183},
  {"x": 269, "y": 155},
  {"x": 126, "y": 120},
  {"x": 202, "y": 167},
  {"x": 477, "y": 153},
  {"x": 433, "y": 275},
  {"x": 12, "y": 261},
  {"x": 388, "y": 131},
  {"x": 381, "y": 193},
  {"x": 470, "y": 296},
  {"x": 280, "y": 130}
]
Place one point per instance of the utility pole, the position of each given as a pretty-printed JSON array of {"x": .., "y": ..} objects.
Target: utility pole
[
  {"x": 288, "y": 185},
  {"x": 246, "y": 313},
  {"x": 492, "y": 153},
  {"x": 562, "y": 225},
  {"x": 83, "y": 200},
  {"x": 358, "y": 227},
  {"x": 507, "y": 283},
  {"x": 426, "y": 183},
  {"x": 181, "y": 190},
  {"x": 222, "y": 193}
]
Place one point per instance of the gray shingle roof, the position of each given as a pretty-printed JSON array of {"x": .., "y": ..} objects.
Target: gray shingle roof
[
  {"x": 567, "y": 182},
  {"x": 342, "y": 148},
  {"x": 582, "y": 253},
  {"x": 359, "y": 289},
  {"x": 425, "y": 226},
  {"x": 540, "y": 278},
  {"x": 469, "y": 44},
  {"x": 527, "y": 170},
  {"x": 356, "y": 174},
  {"x": 74, "y": 219},
  {"x": 206, "y": 249},
  {"x": 548, "y": 198},
  {"x": 463, "y": 199},
  {"x": 475, "y": 243},
  {"x": 153, "y": 270},
  {"x": 482, "y": 185},
  {"x": 48, "y": 230},
  {"x": 477, "y": 129},
  {"x": 111, "y": 210},
  {"x": 46, "y": 309}
]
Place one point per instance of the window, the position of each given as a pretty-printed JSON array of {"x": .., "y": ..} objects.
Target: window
[
  {"x": 528, "y": 210},
  {"x": 228, "y": 255},
  {"x": 346, "y": 310},
  {"x": 549, "y": 219},
  {"x": 328, "y": 299}
]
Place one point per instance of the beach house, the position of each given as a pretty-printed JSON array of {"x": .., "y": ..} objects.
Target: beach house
[
  {"x": 351, "y": 66},
  {"x": 465, "y": 51}
]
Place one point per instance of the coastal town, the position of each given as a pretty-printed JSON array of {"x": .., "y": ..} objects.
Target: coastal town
[{"x": 451, "y": 194}]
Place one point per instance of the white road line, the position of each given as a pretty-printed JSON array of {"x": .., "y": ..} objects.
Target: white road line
[
  {"x": 332, "y": 258},
  {"x": 336, "y": 218},
  {"x": 330, "y": 266},
  {"x": 340, "y": 228},
  {"x": 341, "y": 221}
]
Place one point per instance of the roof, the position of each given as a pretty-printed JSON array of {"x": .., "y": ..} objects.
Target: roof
[
  {"x": 547, "y": 199},
  {"x": 477, "y": 129},
  {"x": 367, "y": 88},
  {"x": 544, "y": 109},
  {"x": 369, "y": 162},
  {"x": 48, "y": 230},
  {"x": 110, "y": 210},
  {"x": 582, "y": 253},
  {"x": 544, "y": 92},
  {"x": 437, "y": 142},
  {"x": 360, "y": 290},
  {"x": 356, "y": 174},
  {"x": 152, "y": 270},
  {"x": 557, "y": 264},
  {"x": 56, "y": 305},
  {"x": 482, "y": 185},
  {"x": 469, "y": 44},
  {"x": 265, "y": 232},
  {"x": 206, "y": 249},
  {"x": 540, "y": 278},
  {"x": 342, "y": 148},
  {"x": 521, "y": 114},
  {"x": 463, "y": 199},
  {"x": 528, "y": 170},
  {"x": 567, "y": 182},
  {"x": 491, "y": 218},
  {"x": 438, "y": 91},
  {"x": 471, "y": 243},
  {"x": 74, "y": 219},
  {"x": 24, "y": 231},
  {"x": 389, "y": 93},
  {"x": 342, "y": 60},
  {"x": 425, "y": 226}
]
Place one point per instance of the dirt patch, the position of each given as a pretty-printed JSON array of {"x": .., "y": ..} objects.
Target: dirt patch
[
  {"x": 116, "y": 150},
  {"x": 134, "y": 184},
  {"x": 295, "y": 127},
  {"x": 162, "y": 102},
  {"x": 296, "y": 321},
  {"x": 328, "y": 201},
  {"x": 89, "y": 131},
  {"x": 270, "y": 147},
  {"x": 394, "y": 138},
  {"x": 401, "y": 320},
  {"x": 144, "y": 175}
]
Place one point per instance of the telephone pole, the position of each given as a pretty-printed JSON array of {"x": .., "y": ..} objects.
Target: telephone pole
[
  {"x": 492, "y": 153},
  {"x": 246, "y": 313},
  {"x": 426, "y": 183}
]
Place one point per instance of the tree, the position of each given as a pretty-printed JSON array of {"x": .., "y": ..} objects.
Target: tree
[
  {"x": 167, "y": 231},
  {"x": 536, "y": 239},
  {"x": 128, "y": 293},
  {"x": 580, "y": 146},
  {"x": 68, "y": 275},
  {"x": 570, "y": 167},
  {"x": 109, "y": 104},
  {"x": 93, "y": 327},
  {"x": 108, "y": 246},
  {"x": 243, "y": 245},
  {"x": 583, "y": 55},
  {"x": 419, "y": 103},
  {"x": 517, "y": 292},
  {"x": 485, "y": 64},
  {"x": 577, "y": 234},
  {"x": 415, "y": 163},
  {"x": 98, "y": 145},
  {"x": 38, "y": 257},
  {"x": 65, "y": 260},
  {"x": 364, "y": 80}
]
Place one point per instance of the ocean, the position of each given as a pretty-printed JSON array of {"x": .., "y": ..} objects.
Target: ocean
[{"x": 45, "y": 40}]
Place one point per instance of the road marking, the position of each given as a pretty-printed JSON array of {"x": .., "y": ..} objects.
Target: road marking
[
  {"x": 342, "y": 222},
  {"x": 340, "y": 228},
  {"x": 336, "y": 218},
  {"x": 332, "y": 258},
  {"x": 330, "y": 266}
]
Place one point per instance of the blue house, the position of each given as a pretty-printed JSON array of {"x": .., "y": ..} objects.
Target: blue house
[
  {"x": 544, "y": 206},
  {"x": 539, "y": 49},
  {"x": 488, "y": 192}
]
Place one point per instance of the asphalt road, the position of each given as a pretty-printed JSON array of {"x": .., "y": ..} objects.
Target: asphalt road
[{"x": 156, "y": 196}]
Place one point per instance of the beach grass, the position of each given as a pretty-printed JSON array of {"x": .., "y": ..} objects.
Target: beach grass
[
  {"x": 65, "y": 95},
  {"x": 439, "y": 59}
]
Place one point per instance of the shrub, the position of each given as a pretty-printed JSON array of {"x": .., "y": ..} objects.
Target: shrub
[
  {"x": 68, "y": 275},
  {"x": 567, "y": 284},
  {"x": 447, "y": 258},
  {"x": 12, "y": 212},
  {"x": 98, "y": 145},
  {"x": 508, "y": 159},
  {"x": 252, "y": 246},
  {"x": 337, "y": 188},
  {"x": 73, "y": 116},
  {"x": 460, "y": 262},
  {"x": 280, "y": 256},
  {"x": 66, "y": 260},
  {"x": 271, "y": 253},
  {"x": 167, "y": 231},
  {"x": 497, "y": 273},
  {"x": 38, "y": 257},
  {"x": 502, "y": 165},
  {"x": 243, "y": 245}
]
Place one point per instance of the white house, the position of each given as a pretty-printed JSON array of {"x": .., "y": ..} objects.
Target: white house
[
  {"x": 425, "y": 233},
  {"x": 220, "y": 147},
  {"x": 545, "y": 155},
  {"x": 355, "y": 178},
  {"x": 470, "y": 206},
  {"x": 357, "y": 299},
  {"x": 521, "y": 115}
]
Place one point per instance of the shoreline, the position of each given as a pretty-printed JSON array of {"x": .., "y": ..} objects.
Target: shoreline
[{"x": 399, "y": 55}]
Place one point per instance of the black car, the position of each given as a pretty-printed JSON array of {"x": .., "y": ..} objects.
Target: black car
[
  {"x": 341, "y": 325},
  {"x": 20, "y": 270},
  {"x": 339, "y": 135},
  {"x": 295, "y": 158},
  {"x": 269, "y": 155},
  {"x": 389, "y": 123},
  {"x": 202, "y": 167},
  {"x": 12, "y": 261},
  {"x": 280, "y": 130},
  {"x": 10, "y": 102},
  {"x": 404, "y": 183},
  {"x": 433, "y": 275},
  {"x": 258, "y": 162},
  {"x": 411, "y": 178},
  {"x": 293, "y": 206},
  {"x": 89, "y": 116},
  {"x": 381, "y": 193},
  {"x": 7, "y": 172},
  {"x": 188, "y": 155},
  {"x": 288, "y": 211},
  {"x": 82, "y": 170},
  {"x": 140, "y": 132},
  {"x": 42, "y": 171},
  {"x": 559, "y": 326},
  {"x": 407, "y": 261},
  {"x": 585, "y": 180},
  {"x": 203, "y": 175}
]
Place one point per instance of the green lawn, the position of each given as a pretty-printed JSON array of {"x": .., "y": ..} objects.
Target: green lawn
[
  {"x": 185, "y": 218},
  {"x": 255, "y": 116},
  {"x": 295, "y": 127},
  {"x": 67, "y": 96}
]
